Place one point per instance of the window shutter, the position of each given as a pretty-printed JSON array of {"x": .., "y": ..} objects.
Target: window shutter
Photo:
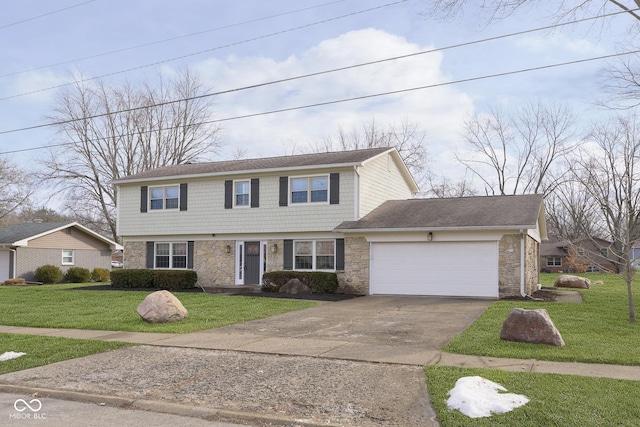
[
  {"x": 288, "y": 255},
  {"x": 284, "y": 190},
  {"x": 150, "y": 254},
  {"x": 334, "y": 188},
  {"x": 228, "y": 194},
  {"x": 339, "y": 254},
  {"x": 183, "y": 197},
  {"x": 143, "y": 198},
  {"x": 255, "y": 192},
  {"x": 11, "y": 262},
  {"x": 190, "y": 254}
]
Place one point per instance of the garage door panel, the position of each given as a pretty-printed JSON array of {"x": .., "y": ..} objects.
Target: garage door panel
[{"x": 435, "y": 268}]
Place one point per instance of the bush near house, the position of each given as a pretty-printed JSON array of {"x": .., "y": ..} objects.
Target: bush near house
[
  {"x": 154, "y": 279},
  {"x": 77, "y": 275},
  {"x": 318, "y": 281},
  {"x": 48, "y": 274},
  {"x": 100, "y": 275}
]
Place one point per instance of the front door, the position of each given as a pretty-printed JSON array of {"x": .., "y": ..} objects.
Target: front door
[{"x": 252, "y": 263}]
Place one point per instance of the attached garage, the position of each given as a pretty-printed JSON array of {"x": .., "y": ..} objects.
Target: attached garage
[
  {"x": 465, "y": 246},
  {"x": 435, "y": 268}
]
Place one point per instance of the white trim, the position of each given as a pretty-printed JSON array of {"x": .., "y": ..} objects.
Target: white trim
[
  {"x": 164, "y": 198},
  {"x": 171, "y": 255},
  {"x": 309, "y": 178},
  {"x": 25, "y": 242},
  {"x": 314, "y": 255},
  {"x": 73, "y": 257},
  {"x": 235, "y": 194}
]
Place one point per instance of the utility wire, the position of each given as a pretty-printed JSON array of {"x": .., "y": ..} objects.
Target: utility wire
[
  {"x": 357, "y": 98},
  {"x": 317, "y": 73},
  {"x": 43, "y": 15},
  {"x": 206, "y": 50},
  {"x": 171, "y": 39}
]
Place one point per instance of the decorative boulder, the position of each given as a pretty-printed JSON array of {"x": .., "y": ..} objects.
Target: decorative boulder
[
  {"x": 530, "y": 326},
  {"x": 295, "y": 286},
  {"x": 569, "y": 281},
  {"x": 161, "y": 307}
]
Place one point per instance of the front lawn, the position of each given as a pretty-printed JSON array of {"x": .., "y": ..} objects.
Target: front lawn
[
  {"x": 595, "y": 331},
  {"x": 60, "y": 306},
  {"x": 46, "y": 350},
  {"x": 554, "y": 400}
]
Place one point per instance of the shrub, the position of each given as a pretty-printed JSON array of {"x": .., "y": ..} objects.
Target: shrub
[
  {"x": 100, "y": 275},
  {"x": 77, "y": 275},
  {"x": 48, "y": 274},
  {"x": 154, "y": 279},
  {"x": 318, "y": 281}
]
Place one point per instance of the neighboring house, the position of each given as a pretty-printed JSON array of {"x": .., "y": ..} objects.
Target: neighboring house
[
  {"x": 232, "y": 221},
  {"x": 564, "y": 256},
  {"x": 25, "y": 247}
]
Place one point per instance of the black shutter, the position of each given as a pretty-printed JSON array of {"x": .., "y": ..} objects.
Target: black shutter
[
  {"x": 190, "y": 254},
  {"x": 339, "y": 254},
  {"x": 255, "y": 193},
  {"x": 150, "y": 254},
  {"x": 183, "y": 197},
  {"x": 228, "y": 194},
  {"x": 287, "y": 263},
  {"x": 284, "y": 190},
  {"x": 143, "y": 198},
  {"x": 334, "y": 188},
  {"x": 11, "y": 262}
]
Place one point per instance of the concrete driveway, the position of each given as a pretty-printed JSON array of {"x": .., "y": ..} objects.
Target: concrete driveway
[{"x": 390, "y": 329}]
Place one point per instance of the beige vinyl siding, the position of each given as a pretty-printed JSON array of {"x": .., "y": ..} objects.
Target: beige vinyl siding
[
  {"x": 206, "y": 213},
  {"x": 381, "y": 180},
  {"x": 69, "y": 238}
]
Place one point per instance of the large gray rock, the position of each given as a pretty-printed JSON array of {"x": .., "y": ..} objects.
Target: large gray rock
[
  {"x": 161, "y": 307},
  {"x": 530, "y": 326},
  {"x": 295, "y": 286},
  {"x": 569, "y": 281}
]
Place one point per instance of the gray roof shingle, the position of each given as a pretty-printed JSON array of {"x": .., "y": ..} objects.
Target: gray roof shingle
[
  {"x": 265, "y": 163},
  {"x": 445, "y": 213},
  {"x": 16, "y": 232}
]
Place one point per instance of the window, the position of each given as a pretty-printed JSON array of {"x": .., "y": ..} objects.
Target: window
[
  {"x": 68, "y": 256},
  {"x": 242, "y": 193},
  {"x": 604, "y": 252},
  {"x": 171, "y": 255},
  {"x": 314, "y": 255},
  {"x": 312, "y": 189},
  {"x": 554, "y": 261},
  {"x": 164, "y": 198}
]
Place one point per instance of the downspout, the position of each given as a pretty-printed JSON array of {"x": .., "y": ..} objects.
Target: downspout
[
  {"x": 522, "y": 261},
  {"x": 12, "y": 267}
]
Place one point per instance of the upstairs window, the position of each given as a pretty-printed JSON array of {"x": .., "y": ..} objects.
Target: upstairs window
[
  {"x": 242, "y": 193},
  {"x": 164, "y": 198},
  {"x": 313, "y": 189}
]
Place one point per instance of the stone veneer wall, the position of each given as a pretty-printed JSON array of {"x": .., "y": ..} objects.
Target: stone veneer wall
[
  {"x": 509, "y": 265},
  {"x": 215, "y": 267},
  {"x": 135, "y": 255},
  {"x": 355, "y": 278}
]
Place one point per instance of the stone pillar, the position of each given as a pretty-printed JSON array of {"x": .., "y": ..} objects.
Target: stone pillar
[
  {"x": 355, "y": 278},
  {"x": 509, "y": 265},
  {"x": 135, "y": 255},
  {"x": 215, "y": 267}
]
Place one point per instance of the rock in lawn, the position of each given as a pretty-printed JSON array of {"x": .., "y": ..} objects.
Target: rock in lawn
[
  {"x": 569, "y": 281},
  {"x": 530, "y": 326},
  {"x": 295, "y": 286},
  {"x": 161, "y": 307}
]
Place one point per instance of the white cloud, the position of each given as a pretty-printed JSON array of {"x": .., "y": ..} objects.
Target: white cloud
[
  {"x": 559, "y": 42},
  {"x": 439, "y": 110}
]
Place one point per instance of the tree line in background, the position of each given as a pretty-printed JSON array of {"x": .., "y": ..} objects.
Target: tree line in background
[{"x": 590, "y": 179}]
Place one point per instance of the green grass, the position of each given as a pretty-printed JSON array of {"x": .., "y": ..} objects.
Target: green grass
[
  {"x": 554, "y": 400},
  {"x": 595, "y": 331},
  {"x": 45, "y": 350},
  {"x": 60, "y": 306}
]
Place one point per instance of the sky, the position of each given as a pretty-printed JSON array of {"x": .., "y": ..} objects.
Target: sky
[{"x": 234, "y": 44}]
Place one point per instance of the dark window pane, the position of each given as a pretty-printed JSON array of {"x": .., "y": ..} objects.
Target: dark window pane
[
  {"x": 319, "y": 196},
  {"x": 304, "y": 263},
  {"x": 179, "y": 261},
  {"x": 172, "y": 204},
  {"x": 299, "y": 197},
  {"x": 324, "y": 263},
  {"x": 162, "y": 261},
  {"x": 156, "y": 204}
]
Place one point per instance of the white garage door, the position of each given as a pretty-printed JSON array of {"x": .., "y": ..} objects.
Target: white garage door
[{"x": 435, "y": 268}]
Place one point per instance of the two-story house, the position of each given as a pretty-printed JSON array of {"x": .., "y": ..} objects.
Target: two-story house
[{"x": 231, "y": 221}]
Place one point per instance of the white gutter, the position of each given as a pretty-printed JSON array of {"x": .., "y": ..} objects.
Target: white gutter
[
  {"x": 356, "y": 194},
  {"x": 522, "y": 260},
  {"x": 433, "y": 229}
]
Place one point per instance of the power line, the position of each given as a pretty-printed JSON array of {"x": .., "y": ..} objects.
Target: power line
[
  {"x": 518, "y": 33},
  {"x": 252, "y": 21},
  {"x": 206, "y": 50},
  {"x": 357, "y": 98},
  {"x": 44, "y": 14}
]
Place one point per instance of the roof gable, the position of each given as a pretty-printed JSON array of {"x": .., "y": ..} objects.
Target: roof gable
[
  {"x": 21, "y": 234},
  {"x": 483, "y": 212},
  {"x": 302, "y": 161}
]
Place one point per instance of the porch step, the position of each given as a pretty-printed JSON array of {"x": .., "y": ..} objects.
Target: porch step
[{"x": 231, "y": 289}]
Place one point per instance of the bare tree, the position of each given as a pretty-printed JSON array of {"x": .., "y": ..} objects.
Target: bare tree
[
  {"x": 407, "y": 137},
  {"x": 442, "y": 187},
  {"x": 17, "y": 189},
  {"x": 110, "y": 132},
  {"x": 571, "y": 213},
  {"x": 516, "y": 154},
  {"x": 608, "y": 170}
]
